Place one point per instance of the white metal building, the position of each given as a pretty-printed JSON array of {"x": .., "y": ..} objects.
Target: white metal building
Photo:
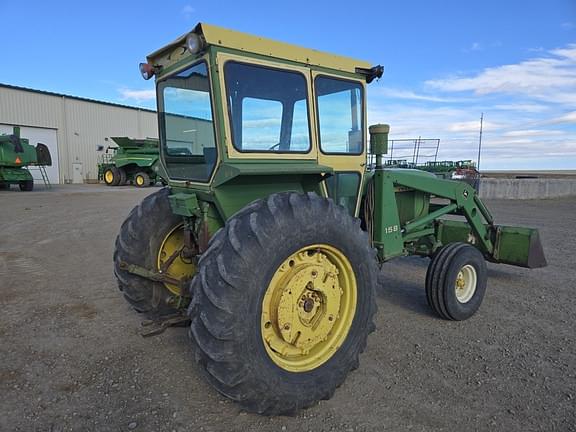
[{"x": 73, "y": 128}]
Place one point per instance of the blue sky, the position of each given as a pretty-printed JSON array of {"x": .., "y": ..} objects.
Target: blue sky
[{"x": 445, "y": 62}]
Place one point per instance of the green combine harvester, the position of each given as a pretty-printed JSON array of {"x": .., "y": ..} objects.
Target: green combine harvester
[
  {"x": 270, "y": 235},
  {"x": 134, "y": 161},
  {"x": 16, "y": 154}
]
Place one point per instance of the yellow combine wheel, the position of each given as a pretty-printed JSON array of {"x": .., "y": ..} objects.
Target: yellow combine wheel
[
  {"x": 284, "y": 302},
  {"x": 114, "y": 176},
  {"x": 109, "y": 177},
  {"x": 142, "y": 179}
]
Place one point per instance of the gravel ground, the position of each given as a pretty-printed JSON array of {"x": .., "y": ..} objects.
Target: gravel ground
[{"x": 71, "y": 357}]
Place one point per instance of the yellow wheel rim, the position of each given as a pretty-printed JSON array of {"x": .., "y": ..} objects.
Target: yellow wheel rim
[
  {"x": 308, "y": 308},
  {"x": 139, "y": 180},
  {"x": 170, "y": 261},
  {"x": 109, "y": 176}
]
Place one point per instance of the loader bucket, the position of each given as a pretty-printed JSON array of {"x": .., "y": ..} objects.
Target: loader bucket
[{"x": 519, "y": 246}]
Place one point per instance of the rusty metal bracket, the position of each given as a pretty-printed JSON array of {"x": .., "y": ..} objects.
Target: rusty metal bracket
[
  {"x": 148, "y": 274},
  {"x": 179, "y": 302},
  {"x": 157, "y": 327}
]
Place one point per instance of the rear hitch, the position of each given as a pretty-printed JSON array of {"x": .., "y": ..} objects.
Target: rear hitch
[{"x": 153, "y": 328}]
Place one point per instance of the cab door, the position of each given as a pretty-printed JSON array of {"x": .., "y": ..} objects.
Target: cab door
[{"x": 340, "y": 120}]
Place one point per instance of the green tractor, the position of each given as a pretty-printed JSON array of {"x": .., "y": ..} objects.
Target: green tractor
[
  {"x": 134, "y": 161},
  {"x": 16, "y": 154},
  {"x": 271, "y": 232}
]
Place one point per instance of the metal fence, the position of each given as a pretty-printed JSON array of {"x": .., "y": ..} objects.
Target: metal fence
[{"x": 408, "y": 153}]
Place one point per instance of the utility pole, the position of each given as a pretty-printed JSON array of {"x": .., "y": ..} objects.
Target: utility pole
[{"x": 480, "y": 142}]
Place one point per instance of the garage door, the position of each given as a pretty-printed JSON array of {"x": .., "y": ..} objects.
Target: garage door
[{"x": 44, "y": 136}]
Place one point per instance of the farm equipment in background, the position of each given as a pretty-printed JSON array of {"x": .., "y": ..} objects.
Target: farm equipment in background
[
  {"x": 16, "y": 155},
  {"x": 422, "y": 154},
  {"x": 134, "y": 161},
  {"x": 270, "y": 236}
]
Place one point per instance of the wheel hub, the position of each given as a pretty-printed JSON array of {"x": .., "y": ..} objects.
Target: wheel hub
[
  {"x": 465, "y": 285},
  {"x": 303, "y": 305}
]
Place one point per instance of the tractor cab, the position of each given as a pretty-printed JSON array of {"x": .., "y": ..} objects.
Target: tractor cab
[{"x": 235, "y": 107}]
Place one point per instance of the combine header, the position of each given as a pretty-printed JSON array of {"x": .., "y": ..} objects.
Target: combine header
[{"x": 271, "y": 232}]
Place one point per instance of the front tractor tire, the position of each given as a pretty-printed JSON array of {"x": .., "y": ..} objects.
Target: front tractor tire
[
  {"x": 148, "y": 238},
  {"x": 456, "y": 281},
  {"x": 283, "y": 302}
]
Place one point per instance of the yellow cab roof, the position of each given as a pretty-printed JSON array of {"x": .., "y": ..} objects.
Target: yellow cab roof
[{"x": 218, "y": 36}]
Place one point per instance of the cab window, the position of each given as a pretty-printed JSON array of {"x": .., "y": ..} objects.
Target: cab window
[
  {"x": 340, "y": 109},
  {"x": 268, "y": 109},
  {"x": 187, "y": 125}
]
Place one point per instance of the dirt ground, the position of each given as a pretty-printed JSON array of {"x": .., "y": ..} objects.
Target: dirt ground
[{"x": 71, "y": 357}]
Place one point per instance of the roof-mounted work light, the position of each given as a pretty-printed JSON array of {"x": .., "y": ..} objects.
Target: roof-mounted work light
[
  {"x": 194, "y": 43},
  {"x": 147, "y": 70}
]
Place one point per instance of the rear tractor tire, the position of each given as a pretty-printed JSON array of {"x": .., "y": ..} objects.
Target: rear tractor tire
[
  {"x": 26, "y": 185},
  {"x": 148, "y": 238},
  {"x": 283, "y": 302},
  {"x": 142, "y": 179},
  {"x": 456, "y": 281}
]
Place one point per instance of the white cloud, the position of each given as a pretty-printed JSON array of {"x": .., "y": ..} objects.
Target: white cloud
[
  {"x": 566, "y": 118},
  {"x": 137, "y": 95},
  {"x": 187, "y": 11},
  {"x": 532, "y": 133},
  {"x": 550, "y": 78},
  {"x": 261, "y": 123},
  {"x": 522, "y": 107},
  {"x": 410, "y": 95},
  {"x": 476, "y": 46},
  {"x": 472, "y": 126}
]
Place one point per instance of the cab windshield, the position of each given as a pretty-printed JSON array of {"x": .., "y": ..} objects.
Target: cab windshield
[{"x": 187, "y": 124}]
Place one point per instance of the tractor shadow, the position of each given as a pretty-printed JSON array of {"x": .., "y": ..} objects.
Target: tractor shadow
[{"x": 401, "y": 283}]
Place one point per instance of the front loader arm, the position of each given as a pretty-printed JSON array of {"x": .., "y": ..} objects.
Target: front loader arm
[{"x": 393, "y": 237}]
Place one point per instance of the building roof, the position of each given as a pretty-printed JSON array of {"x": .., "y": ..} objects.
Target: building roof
[{"x": 43, "y": 92}]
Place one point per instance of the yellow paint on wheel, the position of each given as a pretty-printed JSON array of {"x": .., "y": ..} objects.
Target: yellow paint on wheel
[
  {"x": 170, "y": 257},
  {"x": 308, "y": 308},
  {"x": 109, "y": 176},
  {"x": 139, "y": 180}
]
